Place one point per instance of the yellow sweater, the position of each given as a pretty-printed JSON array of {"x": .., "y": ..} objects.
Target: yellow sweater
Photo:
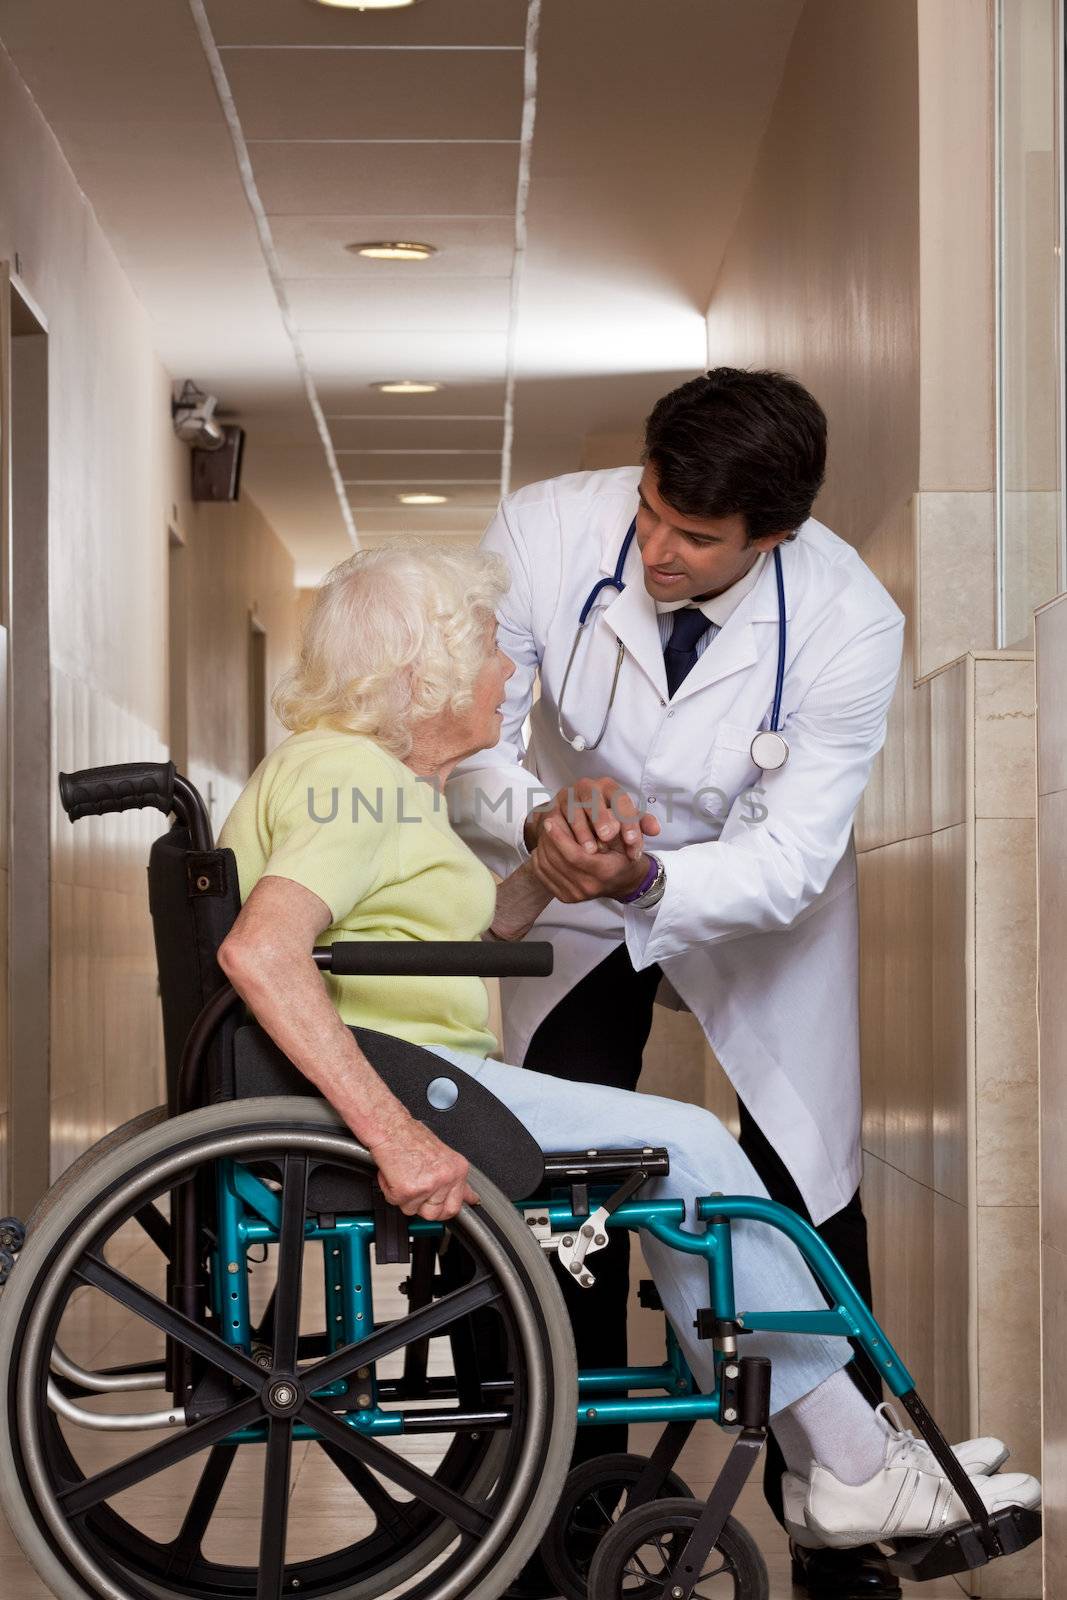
[{"x": 347, "y": 820}]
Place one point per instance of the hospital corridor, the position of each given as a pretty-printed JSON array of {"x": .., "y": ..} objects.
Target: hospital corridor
[{"x": 622, "y": 441}]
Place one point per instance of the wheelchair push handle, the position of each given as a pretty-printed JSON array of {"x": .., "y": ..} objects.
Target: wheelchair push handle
[
  {"x": 394, "y": 958},
  {"x": 133, "y": 786},
  {"x": 128, "y": 786}
]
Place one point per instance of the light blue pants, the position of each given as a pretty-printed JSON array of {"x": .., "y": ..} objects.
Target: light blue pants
[{"x": 769, "y": 1272}]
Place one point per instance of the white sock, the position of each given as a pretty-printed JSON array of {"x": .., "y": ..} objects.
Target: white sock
[{"x": 834, "y": 1426}]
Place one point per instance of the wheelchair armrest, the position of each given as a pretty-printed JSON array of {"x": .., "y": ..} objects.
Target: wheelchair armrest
[{"x": 408, "y": 958}]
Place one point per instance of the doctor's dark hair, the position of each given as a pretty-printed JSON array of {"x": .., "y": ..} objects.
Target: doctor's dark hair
[{"x": 752, "y": 443}]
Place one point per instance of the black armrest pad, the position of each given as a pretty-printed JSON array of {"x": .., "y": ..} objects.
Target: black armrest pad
[{"x": 478, "y": 1125}]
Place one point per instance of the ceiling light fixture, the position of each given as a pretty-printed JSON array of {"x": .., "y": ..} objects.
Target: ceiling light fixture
[
  {"x": 406, "y": 386},
  {"x": 367, "y": 5},
  {"x": 393, "y": 250},
  {"x": 423, "y": 499}
]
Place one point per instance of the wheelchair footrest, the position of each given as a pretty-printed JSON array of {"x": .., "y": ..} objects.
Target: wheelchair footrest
[{"x": 964, "y": 1548}]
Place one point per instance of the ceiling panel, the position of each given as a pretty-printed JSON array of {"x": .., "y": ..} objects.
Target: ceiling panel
[
  {"x": 437, "y": 22},
  {"x": 468, "y": 247},
  {"x": 352, "y": 358},
  {"x": 377, "y": 94},
  {"x": 425, "y": 521},
  {"x": 343, "y": 394},
  {"x": 437, "y": 303},
  {"x": 383, "y": 496},
  {"x": 434, "y": 179},
  {"x": 649, "y": 118},
  {"x": 416, "y": 432},
  {"x": 370, "y": 466}
]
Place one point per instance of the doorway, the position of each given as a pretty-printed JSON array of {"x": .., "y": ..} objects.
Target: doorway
[
  {"x": 257, "y": 691},
  {"x": 25, "y": 845},
  {"x": 177, "y": 648}
]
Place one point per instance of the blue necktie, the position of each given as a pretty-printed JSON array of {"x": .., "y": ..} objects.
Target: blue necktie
[{"x": 680, "y": 651}]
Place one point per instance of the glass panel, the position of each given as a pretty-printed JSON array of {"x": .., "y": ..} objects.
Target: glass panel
[{"x": 1031, "y": 568}]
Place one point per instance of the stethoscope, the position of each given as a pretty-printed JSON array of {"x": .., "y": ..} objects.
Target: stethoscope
[{"x": 768, "y": 750}]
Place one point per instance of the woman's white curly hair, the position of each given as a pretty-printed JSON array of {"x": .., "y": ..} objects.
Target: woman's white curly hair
[{"x": 394, "y": 636}]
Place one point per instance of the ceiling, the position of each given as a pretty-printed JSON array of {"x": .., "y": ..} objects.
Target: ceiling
[{"x": 579, "y": 165}]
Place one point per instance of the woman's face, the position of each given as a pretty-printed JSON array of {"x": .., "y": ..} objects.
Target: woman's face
[{"x": 481, "y": 723}]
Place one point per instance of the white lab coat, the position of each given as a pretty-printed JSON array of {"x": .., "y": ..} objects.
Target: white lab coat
[{"x": 757, "y": 931}]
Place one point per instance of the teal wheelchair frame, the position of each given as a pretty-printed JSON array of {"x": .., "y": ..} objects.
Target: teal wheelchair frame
[{"x": 248, "y": 1215}]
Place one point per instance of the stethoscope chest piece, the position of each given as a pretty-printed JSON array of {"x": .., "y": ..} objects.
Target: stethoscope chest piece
[{"x": 769, "y": 751}]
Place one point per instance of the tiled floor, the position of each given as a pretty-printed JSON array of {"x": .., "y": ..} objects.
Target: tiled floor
[{"x": 96, "y": 1332}]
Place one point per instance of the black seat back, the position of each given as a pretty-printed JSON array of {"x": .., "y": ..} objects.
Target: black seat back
[{"x": 194, "y": 898}]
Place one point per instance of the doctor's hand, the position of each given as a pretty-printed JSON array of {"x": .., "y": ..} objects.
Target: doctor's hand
[
  {"x": 596, "y": 814},
  {"x": 565, "y": 868}
]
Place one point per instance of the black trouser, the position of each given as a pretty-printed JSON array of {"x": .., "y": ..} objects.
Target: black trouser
[{"x": 597, "y": 1034}]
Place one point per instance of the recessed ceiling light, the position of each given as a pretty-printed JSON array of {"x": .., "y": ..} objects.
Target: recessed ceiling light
[
  {"x": 367, "y": 5},
  {"x": 406, "y": 386},
  {"x": 423, "y": 499},
  {"x": 393, "y": 250}
]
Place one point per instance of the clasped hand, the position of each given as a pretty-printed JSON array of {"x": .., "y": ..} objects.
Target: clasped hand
[{"x": 589, "y": 843}]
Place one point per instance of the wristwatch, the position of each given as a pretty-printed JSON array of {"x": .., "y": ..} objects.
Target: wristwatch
[{"x": 650, "y": 892}]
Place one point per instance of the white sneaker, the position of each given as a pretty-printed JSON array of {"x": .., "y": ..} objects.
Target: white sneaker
[
  {"x": 978, "y": 1457},
  {"x": 903, "y": 1502},
  {"x": 910, "y": 1498}
]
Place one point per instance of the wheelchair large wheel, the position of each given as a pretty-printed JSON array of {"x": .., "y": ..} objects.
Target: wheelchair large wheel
[
  {"x": 635, "y": 1559},
  {"x": 423, "y": 1499}
]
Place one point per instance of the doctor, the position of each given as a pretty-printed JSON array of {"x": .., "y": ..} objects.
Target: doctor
[{"x": 709, "y": 650}]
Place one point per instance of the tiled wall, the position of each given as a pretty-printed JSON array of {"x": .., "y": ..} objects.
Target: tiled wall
[
  {"x": 1051, "y": 645},
  {"x": 948, "y": 935},
  {"x": 117, "y": 477},
  {"x": 106, "y": 1036}
]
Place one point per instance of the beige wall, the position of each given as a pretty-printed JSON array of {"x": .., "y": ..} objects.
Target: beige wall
[
  {"x": 237, "y": 568},
  {"x": 118, "y": 478},
  {"x": 863, "y": 262},
  {"x": 1051, "y": 645},
  {"x": 821, "y": 275}
]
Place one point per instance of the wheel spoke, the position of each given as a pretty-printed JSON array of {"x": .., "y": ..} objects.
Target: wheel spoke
[
  {"x": 290, "y": 1263},
  {"x": 607, "y": 1517},
  {"x": 157, "y": 1458},
  {"x": 391, "y": 1514},
  {"x": 405, "y": 1330},
  {"x": 92, "y": 1270},
  {"x": 275, "y": 1521},
  {"x": 155, "y": 1224},
  {"x": 189, "y": 1541},
  {"x": 468, "y": 1518}
]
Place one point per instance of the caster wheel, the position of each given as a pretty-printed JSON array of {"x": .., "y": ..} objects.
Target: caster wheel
[
  {"x": 12, "y": 1235},
  {"x": 594, "y": 1496},
  {"x": 7, "y": 1266},
  {"x": 636, "y": 1557}
]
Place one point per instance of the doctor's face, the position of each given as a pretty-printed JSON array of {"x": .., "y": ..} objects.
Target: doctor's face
[{"x": 691, "y": 558}]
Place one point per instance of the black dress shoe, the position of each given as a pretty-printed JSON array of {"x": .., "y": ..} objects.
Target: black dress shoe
[{"x": 860, "y": 1574}]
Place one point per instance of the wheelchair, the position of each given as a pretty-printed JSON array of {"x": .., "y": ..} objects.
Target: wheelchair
[{"x": 261, "y": 1317}]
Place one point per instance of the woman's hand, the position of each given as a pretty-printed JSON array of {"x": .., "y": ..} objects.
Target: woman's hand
[{"x": 421, "y": 1175}]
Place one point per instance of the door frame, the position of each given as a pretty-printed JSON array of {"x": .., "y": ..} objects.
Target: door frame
[{"x": 30, "y": 781}]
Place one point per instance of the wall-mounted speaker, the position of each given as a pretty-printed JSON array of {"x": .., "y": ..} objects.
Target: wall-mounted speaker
[{"x": 217, "y": 473}]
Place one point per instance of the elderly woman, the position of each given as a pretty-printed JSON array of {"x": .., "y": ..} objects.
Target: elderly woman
[{"x": 341, "y": 833}]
